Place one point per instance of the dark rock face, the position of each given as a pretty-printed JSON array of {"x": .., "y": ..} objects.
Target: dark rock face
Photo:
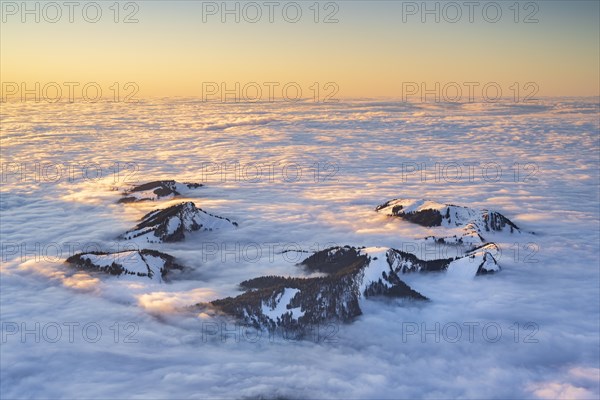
[
  {"x": 170, "y": 224},
  {"x": 156, "y": 190},
  {"x": 144, "y": 263},
  {"x": 272, "y": 302},
  {"x": 403, "y": 262},
  {"x": 494, "y": 221},
  {"x": 427, "y": 217}
]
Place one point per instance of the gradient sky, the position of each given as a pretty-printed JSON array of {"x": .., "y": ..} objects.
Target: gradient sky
[{"x": 368, "y": 53}]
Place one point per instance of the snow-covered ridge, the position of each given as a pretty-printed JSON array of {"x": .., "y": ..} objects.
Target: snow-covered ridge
[
  {"x": 466, "y": 226},
  {"x": 171, "y": 223},
  {"x": 482, "y": 257},
  {"x": 296, "y": 303},
  {"x": 155, "y": 190},
  {"x": 132, "y": 264},
  {"x": 480, "y": 261},
  {"x": 353, "y": 275}
]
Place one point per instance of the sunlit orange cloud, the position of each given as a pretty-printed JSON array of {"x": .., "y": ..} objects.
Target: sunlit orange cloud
[{"x": 168, "y": 302}]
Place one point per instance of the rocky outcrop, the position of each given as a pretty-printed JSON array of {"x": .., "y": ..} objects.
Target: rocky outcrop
[
  {"x": 156, "y": 190},
  {"x": 462, "y": 225},
  {"x": 478, "y": 261},
  {"x": 171, "y": 224},
  {"x": 272, "y": 302},
  {"x": 134, "y": 264}
]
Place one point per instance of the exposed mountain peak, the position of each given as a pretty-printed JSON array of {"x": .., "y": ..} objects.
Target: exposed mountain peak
[
  {"x": 156, "y": 190},
  {"x": 485, "y": 255},
  {"x": 338, "y": 260},
  {"x": 334, "y": 259},
  {"x": 296, "y": 303},
  {"x": 467, "y": 226},
  {"x": 134, "y": 264},
  {"x": 171, "y": 223}
]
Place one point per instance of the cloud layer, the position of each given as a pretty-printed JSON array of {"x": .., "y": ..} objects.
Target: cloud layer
[{"x": 300, "y": 177}]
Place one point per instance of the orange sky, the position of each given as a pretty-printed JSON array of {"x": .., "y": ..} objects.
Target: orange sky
[{"x": 373, "y": 50}]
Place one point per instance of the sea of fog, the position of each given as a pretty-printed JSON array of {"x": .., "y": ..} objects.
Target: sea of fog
[{"x": 299, "y": 177}]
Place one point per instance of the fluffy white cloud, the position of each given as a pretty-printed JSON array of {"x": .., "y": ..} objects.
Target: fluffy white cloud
[{"x": 545, "y": 300}]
